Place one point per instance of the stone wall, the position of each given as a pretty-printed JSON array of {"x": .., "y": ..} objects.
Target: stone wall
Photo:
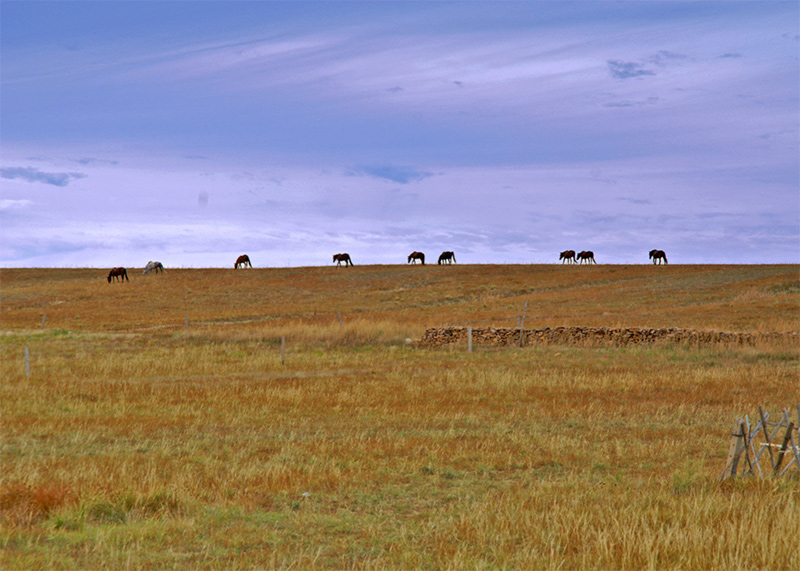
[{"x": 614, "y": 336}]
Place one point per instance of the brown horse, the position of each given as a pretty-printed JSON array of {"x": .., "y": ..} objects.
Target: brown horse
[
  {"x": 414, "y": 256},
  {"x": 586, "y": 256},
  {"x": 120, "y": 274},
  {"x": 568, "y": 256},
  {"x": 339, "y": 258},
  {"x": 243, "y": 261},
  {"x": 657, "y": 256},
  {"x": 447, "y": 258}
]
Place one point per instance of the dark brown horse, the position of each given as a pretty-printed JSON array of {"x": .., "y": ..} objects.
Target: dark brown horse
[
  {"x": 243, "y": 261},
  {"x": 568, "y": 256},
  {"x": 586, "y": 256},
  {"x": 339, "y": 258},
  {"x": 120, "y": 274},
  {"x": 414, "y": 256},
  {"x": 447, "y": 258},
  {"x": 657, "y": 256}
]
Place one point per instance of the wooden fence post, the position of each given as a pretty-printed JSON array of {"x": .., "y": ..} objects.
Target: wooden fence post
[
  {"x": 522, "y": 323},
  {"x": 283, "y": 348},
  {"x": 784, "y": 446},
  {"x": 339, "y": 314},
  {"x": 469, "y": 338},
  {"x": 766, "y": 435},
  {"x": 733, "y": 452},
  {"x": 187, "y": 322},
  {"x": 44, "y": 320},
  {"x": 27, "y": 363}
]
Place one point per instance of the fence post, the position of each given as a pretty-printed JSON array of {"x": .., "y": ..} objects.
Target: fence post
[
  {"x": 764, "y": 418},
  {"x": 187, "y": 323},
  {"x": 469, "y": 338},
  {"x": 27, "y": 363},
  {"x": 522, "y": 323},
  {"x": 339, "y": 315},
  {"x": 44, "y": 320},
  {"x": 283, "y": 348},
  {"x": 784, "y": 446},
  {"x": 733, "y": 452}
]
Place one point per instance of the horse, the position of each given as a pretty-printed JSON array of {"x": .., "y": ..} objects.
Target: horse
[
  {"x": 118, "y": 273},
  {"x": 447, "y": 258},
  {"x": 568, "y": 256},
  {"x": 339, "y": 258},
  {"x": 414, "y": 256},
  {"x": 153, "y": 266},
  {"x": 586, "y": 256},
  {"x": 657, "y": 256},
  {"x": 243, "y": 261}
]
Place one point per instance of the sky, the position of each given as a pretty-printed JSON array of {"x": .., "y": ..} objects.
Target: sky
[{"x": 193, "y": 132}]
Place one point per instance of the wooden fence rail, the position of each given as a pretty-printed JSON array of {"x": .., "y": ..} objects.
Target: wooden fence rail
[{"x": 750, "y": 443}]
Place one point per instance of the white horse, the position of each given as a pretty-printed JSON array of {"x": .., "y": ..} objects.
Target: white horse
[{"x": 153, "y": 266}]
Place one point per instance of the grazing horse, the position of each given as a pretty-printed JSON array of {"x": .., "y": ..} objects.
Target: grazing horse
[
  {"x": 153, "y": 266},
  {"x": 586, "y": 256},
  {"x": 414, "y": 256},
  {"x": 339, "y": 258},
  {"x": 447, "y": 258},
  {"x": 568, "y": 256},
  {"x": 657, "y": 256},
  {"x": 243, "y": 261},
  {"x": 120, "y": 274}
]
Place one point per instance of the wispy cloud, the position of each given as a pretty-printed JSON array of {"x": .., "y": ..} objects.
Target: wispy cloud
[
  {"x": 92, "y": 160},
  {"x": 627, "y": 69},
  {"x": 9, "y": 204},
  {"x": 398, "y": 174},
  {"x": 31, "y": 174}
]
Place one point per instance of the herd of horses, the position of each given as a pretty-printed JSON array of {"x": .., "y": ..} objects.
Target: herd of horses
[
  {"x": 570, "y": 257},
  {"x": 446, "y": 257},
  {"x": 587, "y": 256}
]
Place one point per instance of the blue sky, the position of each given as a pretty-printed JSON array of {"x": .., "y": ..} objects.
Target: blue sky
[{"x": 192, "y": 132}]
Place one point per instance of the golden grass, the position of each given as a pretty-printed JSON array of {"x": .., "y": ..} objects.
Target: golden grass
[{"x": 135, "y": 444}]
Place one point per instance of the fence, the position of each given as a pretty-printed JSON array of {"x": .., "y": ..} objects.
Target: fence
[
  {"x": 615, "y": 336},
  {"x": 749, "y": 444}
]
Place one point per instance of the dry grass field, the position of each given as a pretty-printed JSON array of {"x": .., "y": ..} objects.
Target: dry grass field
[{"x": 136, "y": 443}]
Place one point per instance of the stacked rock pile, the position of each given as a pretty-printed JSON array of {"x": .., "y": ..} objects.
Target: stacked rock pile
[{"x": 595, "y": 336}]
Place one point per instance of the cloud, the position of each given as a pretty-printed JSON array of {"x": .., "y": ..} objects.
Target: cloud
[
  {"x": 7, "y": 205},
  {"x": 90, "y": 160},
  {"x": 31, "y": 174},
  {"x": 627, "y": 69},
  {"x": 651, "y": 100},
  {"x": 663, "y": 57},
  {"x": 398, "y": 174}
]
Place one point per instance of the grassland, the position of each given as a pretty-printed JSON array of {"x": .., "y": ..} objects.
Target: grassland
[{"x": 137, "y": 443}]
